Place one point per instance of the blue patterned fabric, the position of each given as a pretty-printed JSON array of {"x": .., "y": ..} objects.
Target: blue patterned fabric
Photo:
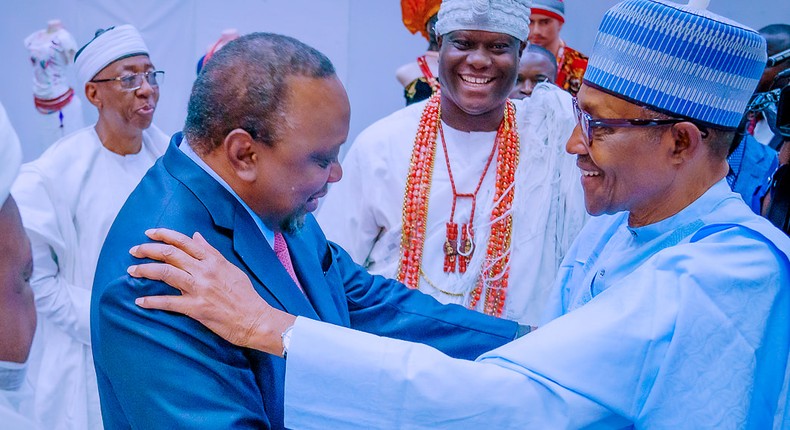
[{"x": 677, "y": 60}]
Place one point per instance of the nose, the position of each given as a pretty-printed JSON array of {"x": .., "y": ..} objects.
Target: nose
[
  {"x": 576, "y": 144},
  {"x": 145, "y": 89},
  {"x": 335, "y": 172},
  {"x": 527, "y": 88},
  {"x": 479, "y": 59}
]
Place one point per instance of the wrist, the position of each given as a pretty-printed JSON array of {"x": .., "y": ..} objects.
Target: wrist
[{"x": 267, "y": 335}]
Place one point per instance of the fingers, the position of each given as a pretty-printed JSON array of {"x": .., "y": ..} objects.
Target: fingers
[
  {"x": 173, "y": 276},
  {"x": 165, "y": 303},
  {"x": 199, "y": 239},
  {"x": 165, "y": 253},
  {"x": 181, "y": 241}
]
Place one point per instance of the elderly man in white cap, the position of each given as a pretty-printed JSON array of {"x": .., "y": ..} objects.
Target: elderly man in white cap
[
  {"x": 17, "y": 310},
  {"x": 68, "y": 199},
  {"x": 671, "y": 308},
  {"x": 491, "y": 200}
]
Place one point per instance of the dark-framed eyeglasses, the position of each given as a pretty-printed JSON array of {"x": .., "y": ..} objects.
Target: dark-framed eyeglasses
[
  {"x": 587, "y": 123},
  {"x": 135, "y": 81}
]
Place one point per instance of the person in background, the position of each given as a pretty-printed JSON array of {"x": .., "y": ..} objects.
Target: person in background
[
  {"x": 537, "y": 65},
  {"x": 68, "y": 198},
  {"x": 756, "y": 156},
  {"x": 226, "y": 36},
  {"x": 545, "y": 24},
  {"x": 419, "y": 78},
  {"x": 453, "y": 195},
  {"x": 17, "y": 308},
  {"x": 762, "y": 123}
]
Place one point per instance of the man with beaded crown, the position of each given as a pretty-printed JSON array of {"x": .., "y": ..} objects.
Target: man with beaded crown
[
  {"x": 670, "y": 309},
  {"x": 467, "y": 196}
]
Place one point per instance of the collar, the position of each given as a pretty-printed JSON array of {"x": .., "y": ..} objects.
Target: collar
[
  {"x": 688, "y": 215},
  {"x": 186, "y": 148}
]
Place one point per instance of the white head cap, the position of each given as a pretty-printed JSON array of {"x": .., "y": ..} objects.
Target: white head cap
[
  {"x": 497, "y": 16},
  {"x": 108, "y": 46}
]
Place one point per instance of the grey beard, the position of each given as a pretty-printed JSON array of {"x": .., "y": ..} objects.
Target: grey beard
[{"x": 293, "y": 223}]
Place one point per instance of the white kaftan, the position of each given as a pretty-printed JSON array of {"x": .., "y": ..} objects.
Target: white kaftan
[
  {"x": 682, "y": 324},
  {"x": 68, "y": 198},
  {"x": 363, "y": 212}
]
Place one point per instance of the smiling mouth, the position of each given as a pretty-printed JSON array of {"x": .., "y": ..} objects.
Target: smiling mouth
[
  {"x": 475, "y": 80},
  {"x": 589, "y": 173}
]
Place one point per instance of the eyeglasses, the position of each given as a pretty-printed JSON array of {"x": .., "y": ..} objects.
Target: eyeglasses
[
  {"x": 587, "y": 123},
  {"x": 135, "y": 81}
]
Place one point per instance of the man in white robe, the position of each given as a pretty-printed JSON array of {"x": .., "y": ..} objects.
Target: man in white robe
[
  {"x": 17, "y": 309},
  {"x": 670, "y": 309},
  {"x": 364, "y": 212},
  {"x": 68, "y": 199}
]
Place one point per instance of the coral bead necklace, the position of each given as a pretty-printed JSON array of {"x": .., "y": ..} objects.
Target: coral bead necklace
[
  {"x": 457, "y": 253},
  {"x": 492, "y": 282}
]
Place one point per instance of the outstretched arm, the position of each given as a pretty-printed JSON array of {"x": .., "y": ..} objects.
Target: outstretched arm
[{"x": 213, "y": 291}]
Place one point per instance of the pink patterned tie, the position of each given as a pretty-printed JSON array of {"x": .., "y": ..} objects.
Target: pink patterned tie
[{"x": 281, "y": 249}]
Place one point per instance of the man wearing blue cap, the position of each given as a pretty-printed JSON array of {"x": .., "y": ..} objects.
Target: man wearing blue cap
[{"x": 671, "y": 307}]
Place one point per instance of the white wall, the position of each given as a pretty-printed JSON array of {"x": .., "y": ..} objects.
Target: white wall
[{"x": 364, "y": 38}]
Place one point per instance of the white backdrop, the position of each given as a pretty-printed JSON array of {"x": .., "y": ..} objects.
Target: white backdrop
[{"x": 364, "y": 38}]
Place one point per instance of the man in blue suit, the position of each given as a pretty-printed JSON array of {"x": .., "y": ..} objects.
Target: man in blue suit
[{"x": 266, "y": 119}]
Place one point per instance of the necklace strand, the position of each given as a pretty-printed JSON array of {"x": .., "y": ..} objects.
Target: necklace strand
[{"x": 492, "y": 282}]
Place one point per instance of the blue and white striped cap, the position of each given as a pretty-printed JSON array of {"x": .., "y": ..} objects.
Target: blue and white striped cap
[{"x": 680, "y": 60}]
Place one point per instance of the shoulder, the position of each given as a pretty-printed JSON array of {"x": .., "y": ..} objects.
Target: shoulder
[
  {"x": 157, "y": 138},
  {"x": 63, "y": 164},
  {"x": 546, "y": 115},
  {"x": 572, "y": 54},
  {"x": 408, "y": 73},
  {"x": 80, "y": 144},
  {"x": 725, "y": 255}
]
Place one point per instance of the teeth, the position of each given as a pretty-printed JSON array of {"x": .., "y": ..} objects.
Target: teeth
[
  {"x": 474, "y": 80},
  {"x": 588, "y": 173}
]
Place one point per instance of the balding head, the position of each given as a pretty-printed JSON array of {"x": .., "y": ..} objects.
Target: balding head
[{"x": 243, "y": 86}]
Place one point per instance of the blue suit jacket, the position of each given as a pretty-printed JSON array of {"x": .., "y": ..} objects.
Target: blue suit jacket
[{"x": 162, "y": 370}]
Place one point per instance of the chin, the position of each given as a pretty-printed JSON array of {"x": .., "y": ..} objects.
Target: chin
[{"x": 293, "y": 223}]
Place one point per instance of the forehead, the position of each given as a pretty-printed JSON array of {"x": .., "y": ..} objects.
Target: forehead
[
  {"x": 480, "y": 36},
  {"x": 537, "y": 16},
  {"x": 600, "y": 104},
  {"x": 317, "y": 107},
  {"x": 129, "y": 64},
  {"x": 535, "y": 60}
]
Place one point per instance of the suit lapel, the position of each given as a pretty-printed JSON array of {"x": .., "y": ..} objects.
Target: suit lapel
[
  {"x": 252, "y": 249},
  {"x": 311, "y": 276}
]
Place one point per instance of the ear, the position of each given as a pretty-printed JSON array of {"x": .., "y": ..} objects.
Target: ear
[
  {"x": 521, "y": 49},
  {"x": 243, "y": 154},
  {"x": 687, "y": 142},
  {"x": 439, "y": 41},
  {"x": 92, "y": 94}
]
